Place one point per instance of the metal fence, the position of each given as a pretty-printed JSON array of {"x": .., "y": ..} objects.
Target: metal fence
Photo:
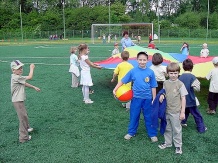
[{"x": 169, "y": 33}]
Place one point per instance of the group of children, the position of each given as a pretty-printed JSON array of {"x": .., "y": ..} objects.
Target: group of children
[
  {"x": 18, "y": 84},
  {"x": 83, "y": 61},
  {"x": 177, "y": 93},
  {"x": 203, "y": 53}
]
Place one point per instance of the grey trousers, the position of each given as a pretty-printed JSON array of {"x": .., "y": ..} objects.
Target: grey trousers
[
  {"x": 23, "y": 121},
  {"x": 173, "y": 132}
]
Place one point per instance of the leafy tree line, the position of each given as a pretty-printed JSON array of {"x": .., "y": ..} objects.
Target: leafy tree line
[{"x": 47, "y": 15}]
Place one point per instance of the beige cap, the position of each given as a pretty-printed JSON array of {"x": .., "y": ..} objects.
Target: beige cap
[{"x": 16, "y": 64}]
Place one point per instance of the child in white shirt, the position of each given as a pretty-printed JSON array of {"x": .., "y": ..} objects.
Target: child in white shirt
[
  {"x": 116, "y": 49},
  {"x": 74, "y": 70},
  {"x": 204, "y": 52},
  {"x": 213, "y": 88}
]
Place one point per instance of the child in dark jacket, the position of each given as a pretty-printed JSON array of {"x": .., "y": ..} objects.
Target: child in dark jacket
[{"x": 191, "y": 83}]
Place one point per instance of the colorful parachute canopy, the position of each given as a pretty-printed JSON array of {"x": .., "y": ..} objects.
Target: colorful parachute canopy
[{"x": 202, "y": 66}]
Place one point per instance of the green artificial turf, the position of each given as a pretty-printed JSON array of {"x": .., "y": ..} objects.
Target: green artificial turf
[{"x": 67, "y": 130}]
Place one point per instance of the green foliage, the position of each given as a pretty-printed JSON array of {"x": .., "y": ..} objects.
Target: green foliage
[
  {"x": 48, "y": 15},
  {"x": 117, "y": 13},
  {"x": 189, "y": 20},
  {"x": 213, "y": 6},
  {"x": 33, "y": 20},
  {"x": 152, "y": 16},
  {"x": 98, "y": 14},
  {"x": 51, "y": 20},
  {"x": 79, "y": 19},
  {"x": 213, "y": 34},
  {"x": 213, "y": 21},
  {"x": 165, "y": 24},
  {"x": 14, "y": 23}
]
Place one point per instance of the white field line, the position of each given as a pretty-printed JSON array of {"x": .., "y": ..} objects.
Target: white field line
[
  {"x": 48, "y": 46},
  {"x": 48, "y": 57},
  {"x": 50, "y": 64},
  {"x": 40, "y": 63}
]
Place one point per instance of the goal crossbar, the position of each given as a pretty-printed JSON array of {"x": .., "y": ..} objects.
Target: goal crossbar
[{"x": 110, "y": 25}]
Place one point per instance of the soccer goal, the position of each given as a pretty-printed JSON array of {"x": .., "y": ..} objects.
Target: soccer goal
[{"x": 114, "y": 31}]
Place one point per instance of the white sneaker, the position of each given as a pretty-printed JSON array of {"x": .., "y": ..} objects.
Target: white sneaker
[
  {"x": 178, "y": 150},
  {"x": 30, "y": 129},
  {"x": 184, "y": 125},
  {"x": 163, "y": 146},
  {"x": 128, "y": 136},
  {"x": 29, "y": 138},
  {"x": 154, "y": 139},
  {"x": 89, "y": 101}
]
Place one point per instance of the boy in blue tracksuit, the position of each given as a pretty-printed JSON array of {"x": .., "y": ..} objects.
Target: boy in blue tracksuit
[
  {"x": 191, "y": 83},
  {"x": 144, "y": 91}
]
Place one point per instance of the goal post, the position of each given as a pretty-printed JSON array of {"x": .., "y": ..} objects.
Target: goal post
[{"x": 134, "y": 29}]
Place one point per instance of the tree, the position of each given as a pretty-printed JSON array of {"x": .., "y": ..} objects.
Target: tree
[
  {"x": 117, "y": 13},
  {"x": 51, "y": 20},
  {"x": 190, "y": 20},
  {"x": 7, "y": 9}
]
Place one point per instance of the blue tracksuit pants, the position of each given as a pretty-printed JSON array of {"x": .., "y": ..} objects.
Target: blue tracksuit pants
[
  {"x": 197, "y": 116},
  {"x": 137, "y": 106}
]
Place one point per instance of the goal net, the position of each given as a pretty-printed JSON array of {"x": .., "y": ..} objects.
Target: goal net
[{"x": 98, "y": 31}]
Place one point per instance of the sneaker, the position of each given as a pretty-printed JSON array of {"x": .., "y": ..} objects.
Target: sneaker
[
  {"x": 178, "y": 150},
  {"x": 91, "y": 91},
  {"x": 154, "y": 139},
  {"x": 211, "y": 112},
  {"x": 124, "y": 105},
  {"x": 128, "y": 136},
  {"x": 30, "y": 129},
  {"x": 29, "y": 138},
  {"x": 164, "y": 145},
  {"x": 127, "y": 109},
  {"x": 203, "y": 131},
  {"x": 74, "y": 86},
  {"x": 89, "y": 101},
  {"x": 184, "y": 125}
]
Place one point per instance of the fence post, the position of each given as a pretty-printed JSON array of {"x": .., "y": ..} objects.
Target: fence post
[{"x": 210, "y": 33}]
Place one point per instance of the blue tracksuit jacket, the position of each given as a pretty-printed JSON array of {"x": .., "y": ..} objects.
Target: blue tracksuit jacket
[{"x": 159, "y": 111}]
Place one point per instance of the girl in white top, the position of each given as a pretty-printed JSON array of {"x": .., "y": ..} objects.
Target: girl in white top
[
  {"x": 159, "y": 70},
  {"x": 86, "y": 79},
  {"x": 74, "y": 70},
  {"x": 204, "y": 52}
]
